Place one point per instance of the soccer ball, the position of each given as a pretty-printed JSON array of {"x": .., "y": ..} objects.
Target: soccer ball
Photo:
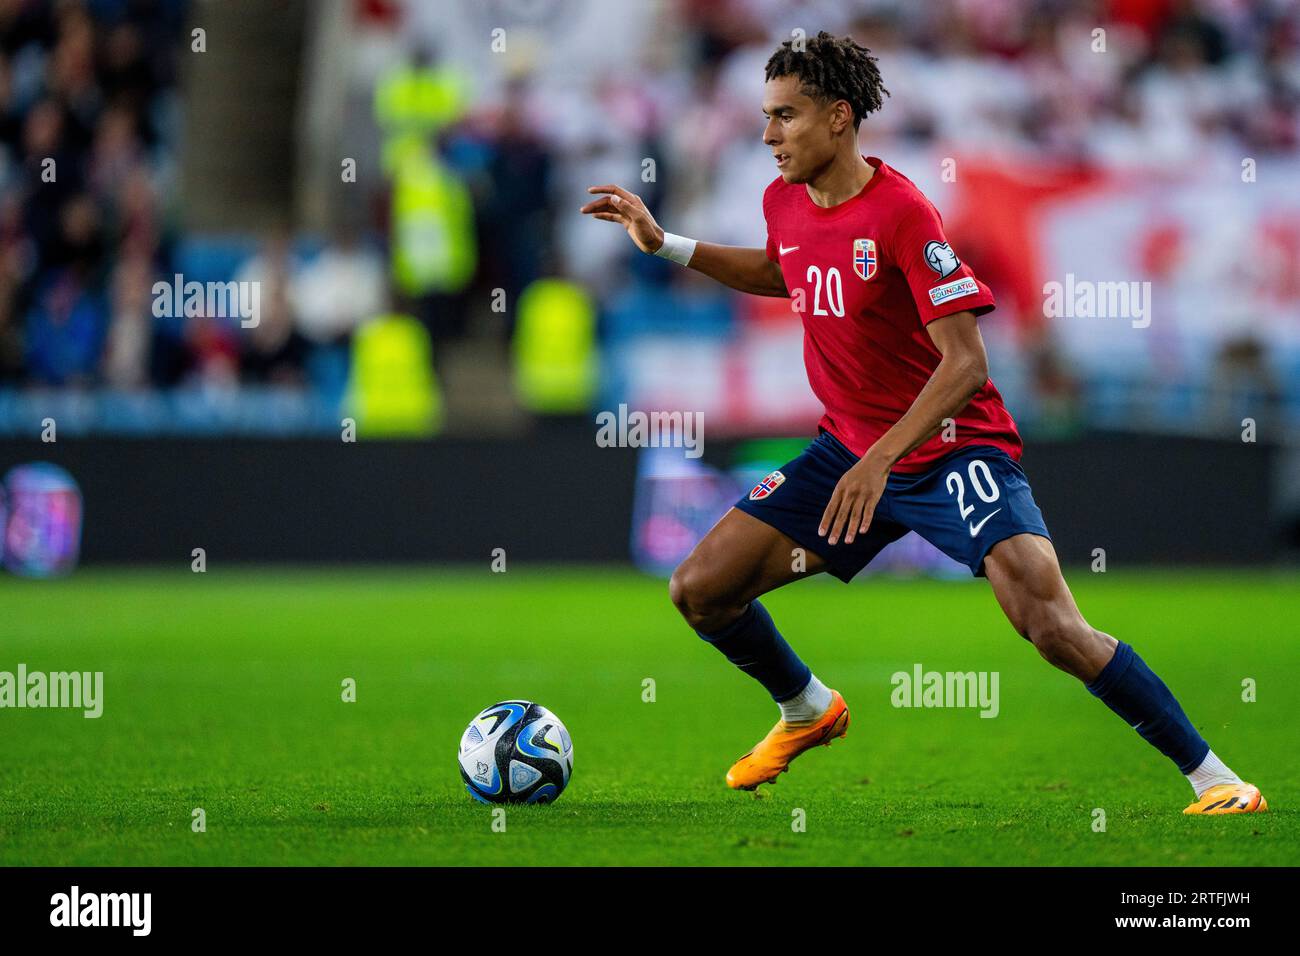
[{"x": 515, "y": 752}]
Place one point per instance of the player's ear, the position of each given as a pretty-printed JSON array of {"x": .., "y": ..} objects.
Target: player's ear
[{"x": 841, "y": 116}]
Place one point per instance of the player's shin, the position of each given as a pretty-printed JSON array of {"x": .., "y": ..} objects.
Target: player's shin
[
  {"x": 753, "y": 644},
  {"x": 1128, "y": 687}
]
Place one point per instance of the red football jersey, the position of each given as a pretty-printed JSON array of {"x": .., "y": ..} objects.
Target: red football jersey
[{"x": 872, "y": 271}]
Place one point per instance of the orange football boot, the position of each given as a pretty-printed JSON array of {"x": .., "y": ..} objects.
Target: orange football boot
[
  {"x": 771, "y": 756},
  {"x": 1230, "y": 798}
]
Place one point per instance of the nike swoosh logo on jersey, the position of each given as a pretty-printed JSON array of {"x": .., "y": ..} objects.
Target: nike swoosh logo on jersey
[
  {"x": 975, "y": 529},
  {"x": 784, "y": 250}
]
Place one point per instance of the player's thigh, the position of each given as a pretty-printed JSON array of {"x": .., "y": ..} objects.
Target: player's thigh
[
  {"x": 739, "y": 559},
  {"x": 1026, "y": 579}
]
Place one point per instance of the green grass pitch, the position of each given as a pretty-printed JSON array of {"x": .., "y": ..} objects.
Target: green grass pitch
[{"x": 223, "y": 692}]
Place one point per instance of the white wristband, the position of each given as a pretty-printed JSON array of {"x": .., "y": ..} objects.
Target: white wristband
[{"x": 677, "y": 248}]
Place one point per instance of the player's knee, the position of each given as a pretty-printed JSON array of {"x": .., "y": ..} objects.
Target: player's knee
[
  {"x": 696, "y": 596},
  {"x": 677, "y": 587},
  {"x": 1053, "y": 635},
  {"x": 688, "y": 591}
]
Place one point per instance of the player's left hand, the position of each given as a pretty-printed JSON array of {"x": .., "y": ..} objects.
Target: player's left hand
[{"x": 854, "y": 500}]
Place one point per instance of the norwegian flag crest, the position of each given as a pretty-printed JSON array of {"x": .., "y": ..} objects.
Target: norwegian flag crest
[
  {"x": 766, "y": 486},
  {"x": 864, "y": 258}
]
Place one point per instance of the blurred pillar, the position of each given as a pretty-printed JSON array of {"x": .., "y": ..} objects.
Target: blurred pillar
[{"x": 241, "y": 98}]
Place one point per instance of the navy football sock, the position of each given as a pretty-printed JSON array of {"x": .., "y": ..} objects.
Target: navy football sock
[
  {"x": 1127, "y": 686},
  {"x": 753, "y": 644}
]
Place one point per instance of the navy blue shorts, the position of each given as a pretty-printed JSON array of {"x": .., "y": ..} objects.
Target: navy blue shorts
[{"x": 968, "y": 502}]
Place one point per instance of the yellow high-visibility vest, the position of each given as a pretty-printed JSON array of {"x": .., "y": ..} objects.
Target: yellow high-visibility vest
[
  {"x": 414, "y": 104},
  {"x": 556, "y": 362},
  {"x": 434, "y": 248},
  {"x": 420, "y": 99},
  {"x": 393, "y": 389}
]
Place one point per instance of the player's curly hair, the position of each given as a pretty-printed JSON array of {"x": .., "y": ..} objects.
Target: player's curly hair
[{"x": 832, "y": 68}]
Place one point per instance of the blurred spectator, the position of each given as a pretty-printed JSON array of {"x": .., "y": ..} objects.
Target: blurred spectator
[
  {"x": 1242, "y": 385},
  {"x": 1055, "y": 391},
  {"x": 416, "y": 101},
  {"x": 274, "y": 350},
  {"x": 434, "y": 248},
  {"x": 332, "y": 295},
  {"x": 65, "y": 330},
  {"x": 68, "y": 320},
  {"x": 514, "y": 215},
  {"x": 338, "y": 290},
  {"x": 130, "y": 332}
]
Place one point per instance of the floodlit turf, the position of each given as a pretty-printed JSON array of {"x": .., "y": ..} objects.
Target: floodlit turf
[{"x": 222, "y": 691}]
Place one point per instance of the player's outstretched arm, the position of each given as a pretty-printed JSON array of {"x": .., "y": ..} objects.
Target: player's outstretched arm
[{"x": 748, "y": 270}]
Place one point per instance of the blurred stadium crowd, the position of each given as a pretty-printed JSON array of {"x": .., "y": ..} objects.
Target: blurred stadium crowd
[
  {"x": 88, "y": 129},
  {"x": 482, "y": 165}
]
